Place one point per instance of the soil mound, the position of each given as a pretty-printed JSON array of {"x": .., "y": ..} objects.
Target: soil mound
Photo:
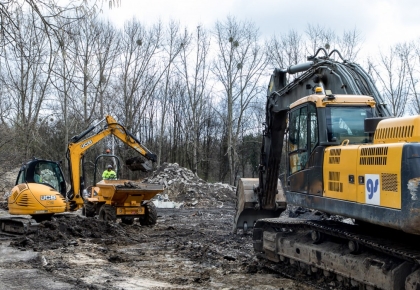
[{"x": 67, "y": 230}]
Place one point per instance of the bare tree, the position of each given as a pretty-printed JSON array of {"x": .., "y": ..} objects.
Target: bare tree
[
  {"x": 86, "y": 39},
  {"x": 63, "y": 74},
  {"x": 239, "y": 64},
  {"x": 26, "y": 76},
  {"x": 195, "y": 73},
  {"x": 318, "y": 36},
  {"x": 391, "y": 74},
  {"x": 410, "y": 54},
  {"x": 51, "y": 16},
  {"x": 106, "y": 51},
  {"x": 286, "y": 50},
  {"x": 349, "y": 44},
  {"x": 174, "y": 44}
]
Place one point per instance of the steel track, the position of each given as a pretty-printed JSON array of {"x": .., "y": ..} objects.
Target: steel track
[{"x": 395, "y": 244}]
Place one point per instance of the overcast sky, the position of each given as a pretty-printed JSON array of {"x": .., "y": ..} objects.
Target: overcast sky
[{"x": 381, "y": 22}]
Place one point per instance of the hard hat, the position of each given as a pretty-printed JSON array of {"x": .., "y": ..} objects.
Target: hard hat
[{"x": 109, "y": 166}]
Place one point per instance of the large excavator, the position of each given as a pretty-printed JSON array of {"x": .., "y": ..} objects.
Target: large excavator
[
  {"x": 346, "y": 158},
  {"x": 40, "y": 189}
]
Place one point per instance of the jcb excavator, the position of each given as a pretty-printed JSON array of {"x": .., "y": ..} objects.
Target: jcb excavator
[
  {"x": 40, "y": 189},
  {"x": 345, "y": 157}
]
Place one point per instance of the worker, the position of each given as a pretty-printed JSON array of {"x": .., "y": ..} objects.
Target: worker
[
  {"x": 109, "y": 173},
  {"x": 37, "y": 176}
]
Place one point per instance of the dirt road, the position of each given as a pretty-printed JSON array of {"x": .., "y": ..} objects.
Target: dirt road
[{"x": 187, "y": 249}]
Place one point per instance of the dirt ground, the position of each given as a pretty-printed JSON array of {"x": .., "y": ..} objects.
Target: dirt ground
[
  {"x": 191, "y": 247},
  {"x": 188, "y": 248}
]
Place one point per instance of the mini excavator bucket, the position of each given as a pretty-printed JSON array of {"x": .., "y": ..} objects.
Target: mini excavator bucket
[
  {"x": 247, "y": 205},
  {"x": 138, "y": 164}
]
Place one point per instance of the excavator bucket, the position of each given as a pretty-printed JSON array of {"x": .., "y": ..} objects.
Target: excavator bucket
[
  {"x": 138, "y": 164},
  {"x": 247, "y": 202}
]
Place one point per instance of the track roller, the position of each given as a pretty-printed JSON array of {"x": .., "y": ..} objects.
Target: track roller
[
  {"x": 317, "y": 237},
  {"x": 283, "y": 259},
  {"x": 354, "y": 247}
]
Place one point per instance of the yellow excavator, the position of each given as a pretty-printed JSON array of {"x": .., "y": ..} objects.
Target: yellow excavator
[
  {"x": 346, "y": 157},
  {"x": 40, "y": 189}
]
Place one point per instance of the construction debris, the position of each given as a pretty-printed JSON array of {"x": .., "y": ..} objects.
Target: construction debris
[{"x": 183, "y": 186}]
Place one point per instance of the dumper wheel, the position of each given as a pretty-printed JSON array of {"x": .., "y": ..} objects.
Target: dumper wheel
[
  {"x": 127, "y": 220},
  {"x": 89, "y": 209},
  {"x": 107, "y": 213},
  {"x": 150, "y": 216}
]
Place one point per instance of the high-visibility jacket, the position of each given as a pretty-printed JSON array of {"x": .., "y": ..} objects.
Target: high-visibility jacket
[{"x": 109, "y": 174}]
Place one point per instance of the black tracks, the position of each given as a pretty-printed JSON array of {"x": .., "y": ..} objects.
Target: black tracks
[{"x": 391, "y": 242}]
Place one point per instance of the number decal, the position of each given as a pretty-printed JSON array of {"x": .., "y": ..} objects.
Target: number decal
[{"x": 372, "y": 189}]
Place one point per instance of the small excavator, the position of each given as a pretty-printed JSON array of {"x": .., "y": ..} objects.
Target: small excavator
[
  {"x": 346, "y": 158},
  {"x": 40, "y": 189}
]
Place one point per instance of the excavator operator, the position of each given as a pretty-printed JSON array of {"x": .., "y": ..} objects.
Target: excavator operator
[
  {"x": 109, "y": 173},
  {"x": 37, "y": 175}
]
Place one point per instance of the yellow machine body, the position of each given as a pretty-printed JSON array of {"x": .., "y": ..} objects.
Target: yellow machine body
[
  {"x": 34, "y": 199},
  {"x": 372, "y": 179},
  {"x": 382, "y": 158},
  {"x": 358, "y": 161}
]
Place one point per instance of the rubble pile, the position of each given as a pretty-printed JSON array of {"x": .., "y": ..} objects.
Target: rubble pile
[{"x": 182, "y": 185}]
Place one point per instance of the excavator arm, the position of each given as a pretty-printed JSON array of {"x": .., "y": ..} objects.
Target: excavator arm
[{"x": 79, "y": 144}]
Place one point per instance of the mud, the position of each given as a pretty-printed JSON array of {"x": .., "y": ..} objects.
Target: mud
[{"x": 187, "y": 249}]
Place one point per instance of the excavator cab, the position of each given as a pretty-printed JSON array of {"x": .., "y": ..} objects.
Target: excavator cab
[
  {"x": 39, "y": 191},
  {"x": 43, "y": 172}
]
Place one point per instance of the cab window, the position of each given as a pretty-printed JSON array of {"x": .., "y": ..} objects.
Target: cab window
[
  {"x": 298, "y": 139},
  {"x": 303, "y": 136},
  {"x": 21, "y": 177},
  {"x": 51, "y": 174},
  {"x": 347, "y": 123}
]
